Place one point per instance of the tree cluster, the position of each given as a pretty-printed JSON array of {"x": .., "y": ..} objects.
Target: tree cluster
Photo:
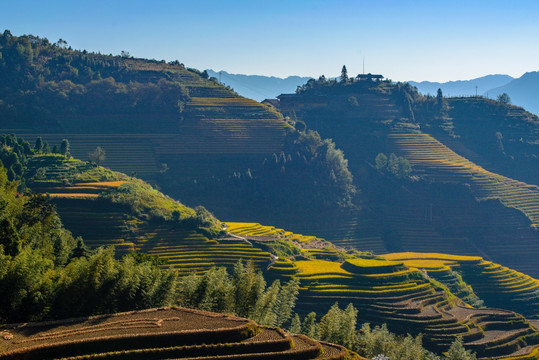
[
  {"x": 15, "y": 151},
  {"x": 314, "y": 169},
  {"x": 397, "y": 166},
  {"x": 339, "y": 326},
  {"x": 244, "y": 293},
  {"x": 42, "y": 80},
  {"x": 46, "y": 273}
]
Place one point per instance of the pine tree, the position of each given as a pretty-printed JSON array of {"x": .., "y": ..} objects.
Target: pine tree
[
  {"x": 263, "y": 312},
  {"x": 344, "y": 74},
  {"x": 309, "y": 326},
  {"x": 380, "y": 161},
  {"x": 39, "y": 145},
  {"x": 439, "y": 96},
  {"x": 330, "y": 324},
  {"x": 286, "y": 302},
  {"x": 248, "y": 287},
  {"x": 458, "y": 352},
  {"x": 295, "y": 325},
  {"x": 348, "y": 326},
  {"x": 393, "y": 164},
  {"x": 65, "y": 148}
]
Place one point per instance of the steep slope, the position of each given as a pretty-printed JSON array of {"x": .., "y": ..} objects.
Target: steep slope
[
  {"x": 437, "y": 162},
  {"x": 496, "y": 285},
  {"x": 142, "y": 112},
  {"x": 160, "y": 334},
  {"x": 170, "y": 125},
  {"x": 401, "y": 296},
  {"x": 110, "y": 208},
  {"x": 449, "y": 207},
  {"x": 385, "y": 291},
  {"x": 501, "y": 138}
]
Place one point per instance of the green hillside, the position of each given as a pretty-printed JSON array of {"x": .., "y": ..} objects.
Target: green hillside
[
  {"x": 170, "y": 125},
  {"x": 109, "y": 208},
  {"x": 454, "y": 201}
]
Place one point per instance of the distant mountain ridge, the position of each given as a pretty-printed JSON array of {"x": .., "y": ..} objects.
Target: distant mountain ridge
[
  {"x": 463, "y": 87},
  {"x": 259, "y": 87},
  {"x": 523, "y": 91}
]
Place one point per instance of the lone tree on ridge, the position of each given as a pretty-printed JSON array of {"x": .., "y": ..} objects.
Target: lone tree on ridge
[
  {"x": 504, "y": 98},
  {"x": 97, "y": 156},
  {"x": 344, "y": 74}
]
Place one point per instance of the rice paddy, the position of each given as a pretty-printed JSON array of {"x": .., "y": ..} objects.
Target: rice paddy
[
  {"x": 497, "y": 285},
  {"x": 440, "y": 163},
  {"x": 160, "y": 334}
]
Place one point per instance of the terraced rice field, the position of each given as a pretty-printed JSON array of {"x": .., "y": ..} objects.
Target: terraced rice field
[
  {"x": 80, "y": 190},
  {"x": 102, "y": 223},
  {"x": 438, "y": 162},
  {"x": 497, "y": 285},
  {"x": 311, "y": 246},
  {"x": 217, "y": 123},
  {"x": 256, "y": 230},
  {"x": 390, "y": 292},
  {"x": 160, "y": 334},
  {"x": 189, "y": 252}
]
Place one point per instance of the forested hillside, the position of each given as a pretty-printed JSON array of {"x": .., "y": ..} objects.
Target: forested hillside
[
  {"x": 44, "y": 270},
  {"x": 171, "y": 125},
  {"x": 306, "y": 273},
  {"x": 453, "y": 175}
]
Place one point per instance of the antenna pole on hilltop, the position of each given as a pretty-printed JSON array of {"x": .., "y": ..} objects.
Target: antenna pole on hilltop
[
  {"x": 475, "y": 90},
  {"x": 363, "y": 65}
]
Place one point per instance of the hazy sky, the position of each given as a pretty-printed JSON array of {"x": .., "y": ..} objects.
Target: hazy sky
[{"x": 401, "y": 39}]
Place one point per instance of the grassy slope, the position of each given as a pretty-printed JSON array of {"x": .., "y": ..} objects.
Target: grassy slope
[
  {"x": 438, "y": 213},
  {"x": 110, "y": 208},
  {"x": 492, "y": 233},
  {"x": 385, "y": 291}
]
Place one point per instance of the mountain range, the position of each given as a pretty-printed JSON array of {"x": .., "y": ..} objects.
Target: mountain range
[
  {"x": 523, "y": 91},
  {"x": 259, "y": 87}
]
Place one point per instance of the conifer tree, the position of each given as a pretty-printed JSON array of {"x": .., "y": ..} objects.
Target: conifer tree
[
  {"x": 309, "y": 326},
  {"x": 65, "y": 148},
  {"x": 263, "y": 312},
  {"x": 295, "y": 325},
  {"x": 286, "y": 302},
  {"x": 39, "y": 145},
  {"x": 458, "y": 352},
  {"x": 248, "y": 287},
  {"x": 344, "y": 74}
]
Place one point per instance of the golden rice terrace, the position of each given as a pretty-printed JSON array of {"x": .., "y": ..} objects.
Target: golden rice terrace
[{"x": 163, "y": 333}]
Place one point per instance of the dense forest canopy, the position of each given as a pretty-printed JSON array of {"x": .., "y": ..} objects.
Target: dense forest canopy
[{"x": 52, "y": 79}]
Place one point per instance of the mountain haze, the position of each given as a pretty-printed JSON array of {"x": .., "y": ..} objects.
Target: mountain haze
[
  {"x": 463, "y": 87},
  {"x": 259, "y": 87},
  {"x": 523, "y": 91}
]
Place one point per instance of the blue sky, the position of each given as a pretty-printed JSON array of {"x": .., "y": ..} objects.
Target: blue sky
[{"x": 403, "y": 40}]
